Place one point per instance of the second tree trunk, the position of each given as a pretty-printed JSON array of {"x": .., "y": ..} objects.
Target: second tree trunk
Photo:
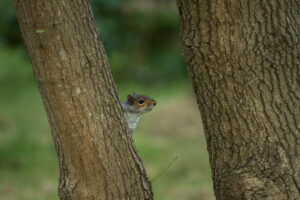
[{"x": 243, "y": 58}]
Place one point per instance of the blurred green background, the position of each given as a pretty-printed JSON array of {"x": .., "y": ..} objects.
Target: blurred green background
[{"x": 141, "y": 39}]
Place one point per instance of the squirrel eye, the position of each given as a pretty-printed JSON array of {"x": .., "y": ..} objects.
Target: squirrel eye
[{"x": 141, "y": 101}]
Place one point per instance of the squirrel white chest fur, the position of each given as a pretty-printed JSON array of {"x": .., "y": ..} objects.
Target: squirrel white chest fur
[
  {"x": 132, "y": 120},
  {"x": 135, "y": 106}
]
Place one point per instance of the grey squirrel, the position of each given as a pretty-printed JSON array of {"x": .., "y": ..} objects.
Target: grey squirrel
[{"x": 135, "y": 106}]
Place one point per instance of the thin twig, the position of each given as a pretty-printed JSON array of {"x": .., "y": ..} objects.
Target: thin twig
[{"x": 166, "y": 168}]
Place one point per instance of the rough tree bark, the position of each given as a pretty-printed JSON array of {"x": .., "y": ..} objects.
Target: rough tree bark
[
  {"x": 97, "y": 157},
  {"x": 243, "y": 58}
]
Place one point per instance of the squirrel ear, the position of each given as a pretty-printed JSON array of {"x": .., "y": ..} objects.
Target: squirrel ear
[
  {"x": 130, "y": 99},
  {"x": 134, "y": 94}
]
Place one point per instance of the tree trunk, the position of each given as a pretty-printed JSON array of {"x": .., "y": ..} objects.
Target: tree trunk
[
  {"x": 243, "y": 58},
  {"x": 97, "y": 157}
]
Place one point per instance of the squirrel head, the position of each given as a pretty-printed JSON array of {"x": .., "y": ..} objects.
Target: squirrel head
[{"x": 141, "y": 103}]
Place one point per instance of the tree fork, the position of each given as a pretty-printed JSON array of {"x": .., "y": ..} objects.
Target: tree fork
[
  {"x": 97, "y": 157},
  {"x": 243, "y": 59}
]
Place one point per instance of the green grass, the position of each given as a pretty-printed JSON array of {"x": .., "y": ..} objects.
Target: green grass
[{"x": 28, "y": 163}]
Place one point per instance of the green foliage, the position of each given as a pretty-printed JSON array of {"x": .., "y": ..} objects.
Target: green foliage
[
  {"x": 141, "y": 44},
  {"x": 15, "y": 73},
  {"x": 9, "y": 31}
]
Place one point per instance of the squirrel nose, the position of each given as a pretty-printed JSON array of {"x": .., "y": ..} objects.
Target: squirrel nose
[{"x": 154, "y": 103}]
